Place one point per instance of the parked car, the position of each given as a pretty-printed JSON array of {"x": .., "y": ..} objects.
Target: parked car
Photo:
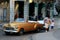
[{"x": 19, "y": 26}]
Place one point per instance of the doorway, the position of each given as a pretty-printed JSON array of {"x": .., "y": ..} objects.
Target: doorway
[
  {"x": 40, "y": 6},
  {"x": 31, "y": 10},
  {"x": 20, "y": 10}
]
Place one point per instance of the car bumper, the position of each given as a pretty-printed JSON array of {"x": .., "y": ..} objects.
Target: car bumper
[{"x": 12, "y": 31}]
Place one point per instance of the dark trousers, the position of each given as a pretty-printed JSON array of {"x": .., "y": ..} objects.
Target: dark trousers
[{"x": 52, "y": 27}]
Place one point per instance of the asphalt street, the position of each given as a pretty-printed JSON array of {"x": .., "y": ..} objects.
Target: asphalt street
[{"x": 51, "y": 35}]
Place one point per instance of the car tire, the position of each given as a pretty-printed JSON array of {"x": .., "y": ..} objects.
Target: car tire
[
  {"x": 38, "y": 29},
  {"x": 7, "y": 33},
  {"x": 21, "y": 32}
]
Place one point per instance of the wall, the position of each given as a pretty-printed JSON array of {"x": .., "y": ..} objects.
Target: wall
[{"x": 2, "y": 6}]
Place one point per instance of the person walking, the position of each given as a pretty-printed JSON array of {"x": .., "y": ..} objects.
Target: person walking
[
  {"x": 47, "y": 23},
  {"x": 52, "y": 24}
]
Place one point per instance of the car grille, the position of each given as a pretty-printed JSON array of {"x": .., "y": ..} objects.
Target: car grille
[{"x": 9, "y": 28}]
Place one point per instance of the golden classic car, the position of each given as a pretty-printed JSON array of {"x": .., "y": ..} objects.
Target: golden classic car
[{"x": 19, "y": 26}]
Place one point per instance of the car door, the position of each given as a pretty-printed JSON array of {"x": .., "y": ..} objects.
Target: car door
[
  {"x": 31, "y": 26},
  {"x": 27, "y": 26}
]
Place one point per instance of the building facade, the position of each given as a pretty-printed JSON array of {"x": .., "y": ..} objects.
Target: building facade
[
  {"x": 25, "y": 9},
  {"x": 4, "y": 10}
]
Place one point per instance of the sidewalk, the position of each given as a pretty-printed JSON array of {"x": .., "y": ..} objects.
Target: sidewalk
[
  {"x": 57, "y": 22},
  {"x": 1, "y": 25}
]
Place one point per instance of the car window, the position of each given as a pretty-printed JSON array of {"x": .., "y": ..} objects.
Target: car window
[{"x": 19, "y": 20}]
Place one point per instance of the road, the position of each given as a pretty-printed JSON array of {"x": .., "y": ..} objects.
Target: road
[{"x": 51, "y": 35}]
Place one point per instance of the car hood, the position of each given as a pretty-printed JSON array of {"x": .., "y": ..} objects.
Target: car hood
[{"x": 11, "y": 24}]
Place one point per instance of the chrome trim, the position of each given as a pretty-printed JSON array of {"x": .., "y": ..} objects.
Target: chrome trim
[{"x": 11, "y": 31}]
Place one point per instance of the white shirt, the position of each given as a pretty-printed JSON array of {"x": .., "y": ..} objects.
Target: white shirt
[{"x": 52, "y": 24}]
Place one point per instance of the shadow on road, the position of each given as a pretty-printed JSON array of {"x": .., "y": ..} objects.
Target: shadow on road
[
  {"x": 26, "y": 33},
  {"x": 56, "y": 34}
]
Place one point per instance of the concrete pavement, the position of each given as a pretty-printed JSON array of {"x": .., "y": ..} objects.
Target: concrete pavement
[
  {"x": 57, "y": 22},
  {"x": 51, "y": 35},
  {"x": 1, "y": 26},
  {"x": 44, "y": 36}
]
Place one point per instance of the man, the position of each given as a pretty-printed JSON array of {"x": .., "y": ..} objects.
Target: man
[{"x": 47, "y": 23}]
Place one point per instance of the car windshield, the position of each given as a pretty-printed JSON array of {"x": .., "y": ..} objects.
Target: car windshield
[{"x": 19, "y": 20}]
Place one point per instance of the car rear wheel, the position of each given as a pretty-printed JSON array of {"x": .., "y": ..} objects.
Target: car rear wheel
[{"x": 38, "y": 29}]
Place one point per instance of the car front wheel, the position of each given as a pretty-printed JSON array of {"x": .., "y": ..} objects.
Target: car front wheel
[
  {"x": 7, "y": 33},
  {"x": 21, "y": 32}
]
